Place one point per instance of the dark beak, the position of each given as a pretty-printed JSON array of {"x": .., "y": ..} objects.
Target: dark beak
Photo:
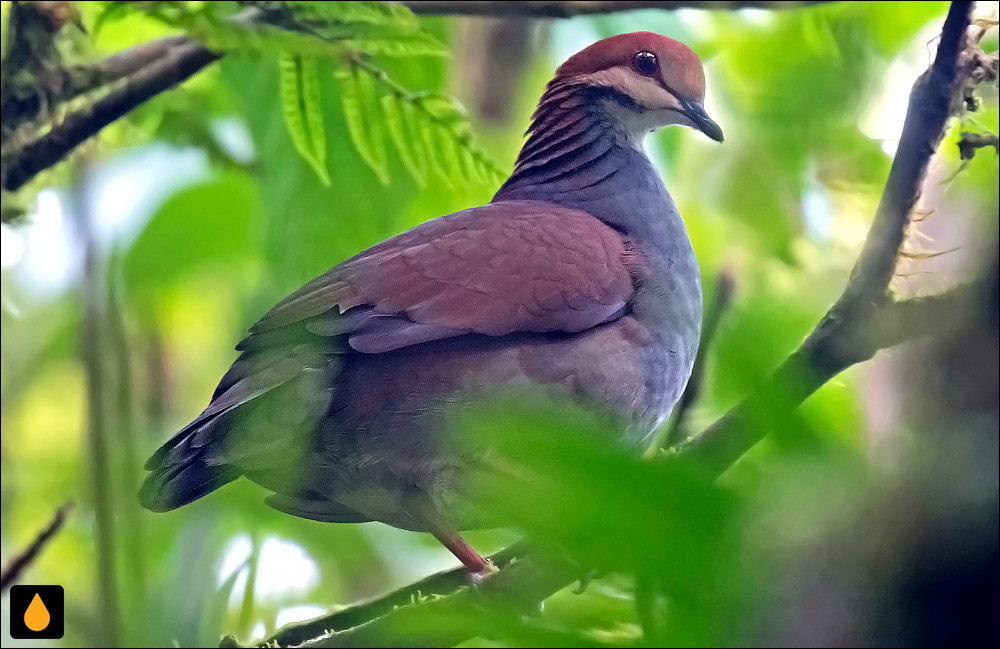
[{"x": 695, "y": 112}]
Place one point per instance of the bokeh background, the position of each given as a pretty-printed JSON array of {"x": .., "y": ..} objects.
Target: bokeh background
[{"x": 129, "y": 273}]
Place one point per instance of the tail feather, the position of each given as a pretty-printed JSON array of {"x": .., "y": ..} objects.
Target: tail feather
[
  {"x": 265, "y": 405},
  {"x": 171, "y": 486}
]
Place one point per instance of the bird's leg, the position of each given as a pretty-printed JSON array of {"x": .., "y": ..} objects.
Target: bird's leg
[{"x": 423, "y": 510}]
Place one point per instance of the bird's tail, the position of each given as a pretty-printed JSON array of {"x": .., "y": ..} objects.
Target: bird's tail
[
  {"x": 181, "y": 473},
  {"x": 263, "y": 408}
]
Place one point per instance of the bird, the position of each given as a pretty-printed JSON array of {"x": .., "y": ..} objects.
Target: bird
[{"x": 578, "y": 279}]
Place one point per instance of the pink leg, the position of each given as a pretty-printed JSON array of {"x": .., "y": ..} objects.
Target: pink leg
[
  {"x": 425, "y": 512},
  {"x": 457, "y": 545}
]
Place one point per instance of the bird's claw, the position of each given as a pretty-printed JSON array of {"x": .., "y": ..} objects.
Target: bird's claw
[{"x": 476, "y": 577}]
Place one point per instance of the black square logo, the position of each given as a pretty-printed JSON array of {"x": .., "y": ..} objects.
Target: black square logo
[{"x": 36, "y": 612}]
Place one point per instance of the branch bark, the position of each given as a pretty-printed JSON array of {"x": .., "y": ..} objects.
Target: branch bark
[
  {"x": 863, "y": 320},
  {"x": 21, "y": 162},
  {"x": 77, "y": 80}
]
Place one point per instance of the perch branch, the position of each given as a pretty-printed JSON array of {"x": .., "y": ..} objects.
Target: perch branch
[
  {"x": 568, "y": 9},
  {"x": 442, "y": 583},
  {"x": 21, "y": 561},
  {"x": 864, "y": 319},
  {"x": 468, "y": 612}
]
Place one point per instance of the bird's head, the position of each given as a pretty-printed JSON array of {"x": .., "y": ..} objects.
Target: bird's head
[{"x": 656, "y": 80}]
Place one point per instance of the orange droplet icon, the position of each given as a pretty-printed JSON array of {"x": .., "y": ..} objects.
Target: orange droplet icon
[{"x": 36, "y": 617}]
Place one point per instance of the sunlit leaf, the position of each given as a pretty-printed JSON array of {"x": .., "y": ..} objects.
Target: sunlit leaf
[
  {"x": 302, "y": 112},
  {"x": 357, "y": 99}
]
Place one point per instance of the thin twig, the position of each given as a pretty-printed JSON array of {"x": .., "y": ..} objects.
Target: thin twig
[
  {"x": 19, "y": 562},
  {"x": 468, "y": 612},
  {"x": 92, "y": 352},
  {"x": 725, "y": 284}
]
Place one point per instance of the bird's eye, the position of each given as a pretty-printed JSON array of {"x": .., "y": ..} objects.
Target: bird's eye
[{"x": 645, "y": 63}]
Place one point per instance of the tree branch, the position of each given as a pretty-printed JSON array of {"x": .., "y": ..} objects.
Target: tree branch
[
  {"x": 80, "y": 79},
  {"x": 819, "y": 359},
  {"x": 21, "y": 162},
  {"x": 447, "y": 621},
  {"x": 864, "y": 319},
  {"x": 969, "y": 143},
  {"x": 931, "y": 102},
  {"x": 21, "y": 561},
  {"x": 30, "y": 55},
  {"x": 570, "y": 8},
  {"x": 442, "y": 583}
]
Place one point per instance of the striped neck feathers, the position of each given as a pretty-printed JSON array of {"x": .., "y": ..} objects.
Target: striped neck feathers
[{"x": 579, "y": 139}]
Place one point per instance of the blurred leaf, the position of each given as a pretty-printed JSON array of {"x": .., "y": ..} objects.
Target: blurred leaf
[
  {"x": 563, "y": 475},
  {"x": 209, "y": 223}
]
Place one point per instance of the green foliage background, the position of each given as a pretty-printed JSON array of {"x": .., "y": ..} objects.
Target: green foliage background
[{"x": 342, "y": 158}]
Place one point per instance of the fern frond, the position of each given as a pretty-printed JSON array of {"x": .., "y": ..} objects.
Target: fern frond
[
  {"x": 357, "y": 96},
  {"x": 302, "y": 111},
  {"x": 395, "y": 120},
  {"x": 440, "y": 132}
]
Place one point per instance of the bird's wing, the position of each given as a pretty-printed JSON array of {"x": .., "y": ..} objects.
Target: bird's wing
[{"x": 515, "y": 266}]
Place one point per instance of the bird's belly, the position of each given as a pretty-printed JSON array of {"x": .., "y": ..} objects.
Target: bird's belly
[{"x": 384, "y": 431}]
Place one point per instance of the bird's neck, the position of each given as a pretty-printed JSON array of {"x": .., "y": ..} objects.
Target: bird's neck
[{"x": 581, "y": 155}]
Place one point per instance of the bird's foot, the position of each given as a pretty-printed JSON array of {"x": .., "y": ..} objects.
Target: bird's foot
[{"x": 476, "y": 577}]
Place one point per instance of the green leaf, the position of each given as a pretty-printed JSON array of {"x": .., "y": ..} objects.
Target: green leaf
[
  {"x": 430, "y": 145},
  {"x": 411, "y": 121},
  {"x": 450, "y": 158},
  {"x": 301, "y": 109},
  {"x": 359, "y": 101},
  {"x": 399, "y": 45},
  {"x": 206, "y": 224},
  {"x": 393, "y": 112}
]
